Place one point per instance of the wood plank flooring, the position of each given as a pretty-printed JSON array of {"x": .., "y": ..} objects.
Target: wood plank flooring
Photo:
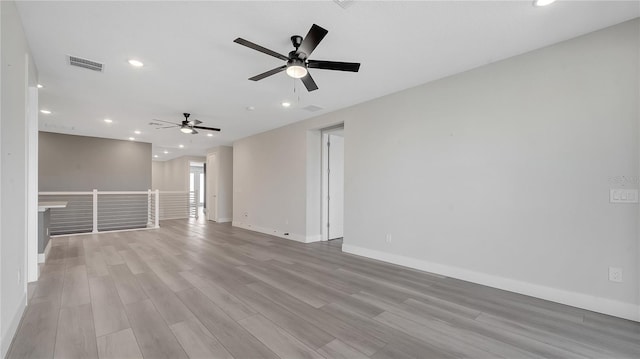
[{"x": 205, "y": 290}]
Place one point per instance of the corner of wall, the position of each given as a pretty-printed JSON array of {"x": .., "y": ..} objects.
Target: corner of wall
[{"x": 9, "y": 333}]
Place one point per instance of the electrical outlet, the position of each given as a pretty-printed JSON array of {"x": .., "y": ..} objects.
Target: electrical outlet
[
  {"x": 388, "y": 238},
  {"x": 615, "y": 274},
  {"x": 623, "y": 195}
]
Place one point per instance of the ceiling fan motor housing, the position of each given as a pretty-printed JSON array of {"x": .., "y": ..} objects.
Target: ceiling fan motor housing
[
  {"x": 296, "y": 62},
  {"x": 296, "y": 40}
]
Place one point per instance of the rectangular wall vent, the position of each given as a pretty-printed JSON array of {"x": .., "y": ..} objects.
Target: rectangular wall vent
[
  {"x": 312, "y": 108},
  {"x": 84, "y": 63}
]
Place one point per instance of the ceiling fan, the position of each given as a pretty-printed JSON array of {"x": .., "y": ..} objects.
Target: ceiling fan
[
  {"x": 298, "y": 61},
  {"x": 187, "y": 126}
]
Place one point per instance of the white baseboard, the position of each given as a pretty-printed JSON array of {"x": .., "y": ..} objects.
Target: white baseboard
[
  {"x": 13, "y": 327},
  {"x": 224, "y": 220},
  {"x": 597, "y": 304},
  {"x": 278, "y": 233},
  {"x": 42, "y": 257},
  {"x": 314, "y": 238}
]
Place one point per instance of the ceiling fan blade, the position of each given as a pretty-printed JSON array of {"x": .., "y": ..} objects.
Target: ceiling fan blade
[
  {"x": 309, "y": 83},
  {"x": 193, "y": 131},
  {"x": 173, "y": 123},
  {"x": 311, "y": 41},
  {"x": 257, "y": 47},
  {"x": 195, "y": 122},
  {"x": 334, "y": 65},
  {"x": 268, "y": 73},
  {"x": 207, "y": 128},
  {"x": 159, "y": 128}
]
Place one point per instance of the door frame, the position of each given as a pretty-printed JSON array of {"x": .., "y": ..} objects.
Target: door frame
[
  {"x": 324, "y": 167},
  {"x": 211, "y": 187}
]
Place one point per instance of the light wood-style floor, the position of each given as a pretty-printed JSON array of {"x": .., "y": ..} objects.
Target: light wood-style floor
[{"x": 206, "y": 290}]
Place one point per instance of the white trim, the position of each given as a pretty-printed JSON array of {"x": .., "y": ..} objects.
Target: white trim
[
  {"x": 274, "y": 232},
  {"x": 224, "y": 220},
  {"x": 13, "y": 327},
  {"x": 42, "y": 257},
  {"x": 80, "y": 193},
  {"x": 32, "y": 183},
  {"x": 314, "y": 238},
  {"x": 597, "y": 304},
  {"x": 99, "y": 232}
]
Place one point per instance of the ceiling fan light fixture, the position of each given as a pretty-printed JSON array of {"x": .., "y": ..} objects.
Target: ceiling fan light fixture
[
  {"x": 135, "y": 63},
  {"x": 296, "y": 68},
  {"x": 186, "y": 129}
]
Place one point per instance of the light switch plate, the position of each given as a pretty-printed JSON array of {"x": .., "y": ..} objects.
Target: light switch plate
[{"x": 623, "y": 195}]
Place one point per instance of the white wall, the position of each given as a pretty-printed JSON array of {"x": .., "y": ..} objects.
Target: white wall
[
  {"x": 172, "y": 175},
  {"x": 15, "y": 74},
  {"x": 499, "y": 175},
  {"x": 223, "y": 173},
  {"x": 157, "y": 174},
  {"x": 277, "y": 181}
]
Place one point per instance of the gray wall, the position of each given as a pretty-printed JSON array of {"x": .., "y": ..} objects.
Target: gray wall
[
  {"x": 79, "y": 163},
  {"x": 499, "y": 175}
]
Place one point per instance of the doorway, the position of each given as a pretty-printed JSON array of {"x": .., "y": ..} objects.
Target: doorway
[
  {"x": 196, "y": 188},
  {"x": 333, "y": 183}
]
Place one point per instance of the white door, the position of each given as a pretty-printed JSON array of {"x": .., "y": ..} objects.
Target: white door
[
  {"x": 212, "y": 188},
  {"x": 336, "y": 186}
]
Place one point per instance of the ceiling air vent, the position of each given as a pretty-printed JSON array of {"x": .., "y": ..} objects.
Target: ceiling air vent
[
  {"x": 312, "y": 108},
  {"x": 345, "y": 4},
  {"x": 84, "y": 63}
]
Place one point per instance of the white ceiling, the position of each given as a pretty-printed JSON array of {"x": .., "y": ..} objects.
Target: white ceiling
[{"x": 192, "y": 64}]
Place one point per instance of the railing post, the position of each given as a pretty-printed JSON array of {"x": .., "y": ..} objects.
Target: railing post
[
  {"x": 149, "y": 208},
  {"x": 95, "y": 211},
  {"x": 157, "y": 208}
]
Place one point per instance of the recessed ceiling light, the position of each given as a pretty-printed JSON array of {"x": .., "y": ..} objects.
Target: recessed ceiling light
[
  {"x": 181, "y": 146},
  {"x": 251, "y": 108},
  {"x": 543, "y": 2},
  {"x": 135, "y": 63},
  {"x": 39, "y": 86},
  {"x": 209, "y": 134},
  {"x": 136, "y": 132},
  {"x": 108, "y": 120},
  {"x": 166, "y": 152},
  {"x": 286, "y": 104},
  {"x": 132, "y": 138},
  {"x": 46, "y": 112},
  {"x": 155, "y": 156}
]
